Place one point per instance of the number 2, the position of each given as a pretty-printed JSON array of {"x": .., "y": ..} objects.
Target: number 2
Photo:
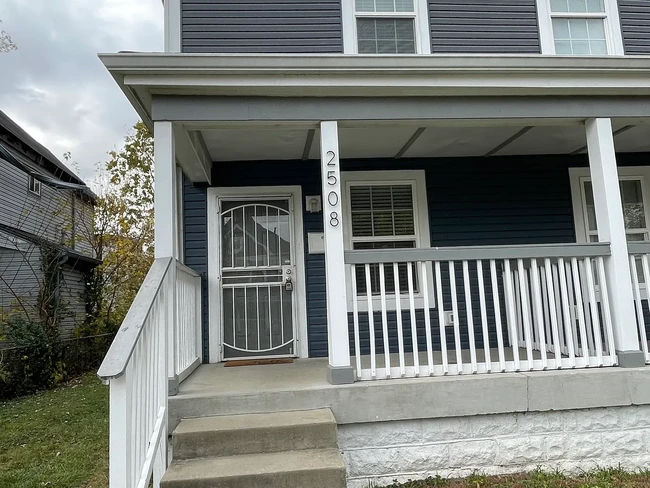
[{"x": 332, "y": 155}]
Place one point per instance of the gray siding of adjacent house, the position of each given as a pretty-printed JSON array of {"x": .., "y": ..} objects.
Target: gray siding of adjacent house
[
  {"x": 635, "y": 25},
  {"x": 46, "y": 216},
  {"x": 484, "y": 26},
  {"x": 71, "y": 288},
  {"x": 262, "y": 26},
  {"x": 20, "y": 272}
]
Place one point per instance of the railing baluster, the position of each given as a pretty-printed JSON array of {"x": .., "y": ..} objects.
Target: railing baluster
[
  {"x": 511, "y": 314},
  {"x": 607, "y": 313},
  {"x": 552, "y": 304},
  {"x": 539, "y": 313},
  {"x": 470, "y": 317},
  {"x": 454, "y": 308},
  {"x": 414, "y": 325},
  {"x": 384, "y": 318},
  {"x": 497, "y": 314},
  {"x": 581, "y": 312},
  {"x": 595, "y": 319},
  {"x": 569, "y": 323},
  {"x": 547, "y": 310},
  {"x": 355, "y": 320},
  {"x": 371, "y": 324},
  {"x": 584, "y": 284},
  {"x": 427, "y": 315},
  {"x": 398, "y": 312},
  {"x": 484, "y": 319},
  {"x": 441, "y": 319},
  {"x": 642, "y": 330},
  {"x": 525, "y": 311},
  {"x": 638, "y": 304}
]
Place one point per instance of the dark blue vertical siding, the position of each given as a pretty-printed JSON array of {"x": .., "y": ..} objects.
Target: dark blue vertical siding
[{"x": 474, "y": 201}]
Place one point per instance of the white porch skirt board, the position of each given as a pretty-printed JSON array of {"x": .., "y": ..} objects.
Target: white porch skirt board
[{"x": 569, "y": 440}]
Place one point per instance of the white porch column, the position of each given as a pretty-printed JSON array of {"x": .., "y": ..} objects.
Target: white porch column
[
  {"x": 166, "y": 227},
  {"x": 611, "y": 228},
  {"x": 339, "y": 370}
]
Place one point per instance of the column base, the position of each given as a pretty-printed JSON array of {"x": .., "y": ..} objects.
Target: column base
[
  {"x": 630, "y": 359},
  {"x": 173, "y": 386},
  {"x": 340, "y": 375}
]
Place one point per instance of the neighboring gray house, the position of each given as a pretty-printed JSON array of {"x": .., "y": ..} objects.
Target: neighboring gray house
[
  {"x": 42, "y": 203},
  {"x": 460, "y": 196}
]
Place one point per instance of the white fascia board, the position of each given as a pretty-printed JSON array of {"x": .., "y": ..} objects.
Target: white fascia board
[{"x": 142, "y": 74}]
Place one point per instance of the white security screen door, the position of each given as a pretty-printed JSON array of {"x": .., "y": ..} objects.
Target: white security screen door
[{"x": 257, "y": 278}]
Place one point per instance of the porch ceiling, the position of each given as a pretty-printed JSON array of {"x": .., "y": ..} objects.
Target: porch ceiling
[{"x": 417, "y": 141}]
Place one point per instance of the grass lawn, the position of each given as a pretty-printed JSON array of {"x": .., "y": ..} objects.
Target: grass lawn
[
  {"x": 56, "y": 438},
  {"x": 608, "y": 478}
]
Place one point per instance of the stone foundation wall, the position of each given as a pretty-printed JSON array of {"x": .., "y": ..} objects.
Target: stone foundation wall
[{"x": 568, "y": 440}]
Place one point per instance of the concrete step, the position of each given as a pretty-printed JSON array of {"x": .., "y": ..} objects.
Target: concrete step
[
  {"x": 231, "y": 435},
  {"x": 313, "y": 468}
]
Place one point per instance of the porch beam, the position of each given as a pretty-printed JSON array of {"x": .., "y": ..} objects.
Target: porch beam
[
  {"x": 192, "y": 154},
  {"x": 214, "y": 109},
  {"x": 339, "y": 370},
  {"x": 611, "y": 228}
]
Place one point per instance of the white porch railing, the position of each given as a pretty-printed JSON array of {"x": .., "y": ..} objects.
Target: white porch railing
[
  {"x": 479, "y": 310},
  {"x": 640, "y": 269},
  {"x": 187, "y": 332},
  {"x": 136, "y": 367}
]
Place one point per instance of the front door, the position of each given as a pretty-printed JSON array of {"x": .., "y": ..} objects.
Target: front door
[{"x": 257, "y": 278}]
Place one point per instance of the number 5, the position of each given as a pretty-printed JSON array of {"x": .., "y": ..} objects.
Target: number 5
[{"x": 331, "y": 179}]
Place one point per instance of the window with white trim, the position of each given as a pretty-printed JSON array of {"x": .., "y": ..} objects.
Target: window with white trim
[
  {"x": 385, "y": 210},
  {"x": 34, "y": 186},
  {"x": 386, "y": 27},
  {"x": 633, "y": 183},
  {"x": 580, "y": 27}
]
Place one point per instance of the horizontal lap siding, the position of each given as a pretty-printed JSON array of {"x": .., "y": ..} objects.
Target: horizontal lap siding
[
  {"x": 262, "y": 26},
  {"x": 72, "y": 288},
  {"x": 519, "y": 200},
  {"x": 484, "y": 26},
  {"x": 635, "y": 25}
]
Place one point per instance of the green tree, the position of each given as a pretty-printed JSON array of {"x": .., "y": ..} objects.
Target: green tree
[{"x": 123, "y": 230}]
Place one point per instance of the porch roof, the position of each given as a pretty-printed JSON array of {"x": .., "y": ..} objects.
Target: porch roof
[{"x": 251, "y": 107}]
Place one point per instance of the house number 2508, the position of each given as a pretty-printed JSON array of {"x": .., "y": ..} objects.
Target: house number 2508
[{"x": 332, "y": 197}]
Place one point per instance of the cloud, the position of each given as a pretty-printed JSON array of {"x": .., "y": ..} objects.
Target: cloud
[{"x": 54, "y": 85}]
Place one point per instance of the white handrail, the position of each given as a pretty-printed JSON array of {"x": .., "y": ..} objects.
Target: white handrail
[
  {"x": 160, "y": 336},
  {"x": 119, "y": 354}
]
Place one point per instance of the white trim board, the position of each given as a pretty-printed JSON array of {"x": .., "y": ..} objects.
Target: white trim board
[{"x": 214, "y": 248}]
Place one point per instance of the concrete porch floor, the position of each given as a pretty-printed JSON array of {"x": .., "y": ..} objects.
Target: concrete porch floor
[{"x": 216, "y": 390}]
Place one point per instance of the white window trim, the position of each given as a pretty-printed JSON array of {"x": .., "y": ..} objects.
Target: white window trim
[
  {"x": 578, "y": 176},
  {"x": 417, "y": 178},
  {"x": 421, "y": 17},
  {"x": 37, "y": 186},
  {"x": 612, "y": 26}
]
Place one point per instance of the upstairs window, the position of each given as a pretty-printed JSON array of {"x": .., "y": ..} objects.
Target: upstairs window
[
  {"x": 580, "y": 27},
  {"x": 34, "y": 186},
  {"x": 386, "y": 27}
]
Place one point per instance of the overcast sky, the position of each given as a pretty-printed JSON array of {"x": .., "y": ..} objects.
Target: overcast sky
[{"x": 54, "y": 85}]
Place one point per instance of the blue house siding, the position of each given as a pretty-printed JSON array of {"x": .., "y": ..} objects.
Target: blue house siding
[
  {"x": 474, "y": 201},
  {"x": 262, "y": 26},
  {"x": 484, "y": 26}
]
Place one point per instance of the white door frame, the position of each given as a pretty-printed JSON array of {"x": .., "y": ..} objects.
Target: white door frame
[{"x": 214, "y": 271}]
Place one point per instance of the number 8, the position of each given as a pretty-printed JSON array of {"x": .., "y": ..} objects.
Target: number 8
[{"x": 334, "y": 219}]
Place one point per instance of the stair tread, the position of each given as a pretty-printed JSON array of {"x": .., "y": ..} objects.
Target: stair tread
[
  {"x": 255, "y": 421},
  {"x": 254, "y": 464}
]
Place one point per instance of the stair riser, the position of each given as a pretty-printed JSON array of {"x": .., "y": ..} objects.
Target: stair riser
[
  {"x": 254, "y": 441},
  {"x": 330, "y": 478}
]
